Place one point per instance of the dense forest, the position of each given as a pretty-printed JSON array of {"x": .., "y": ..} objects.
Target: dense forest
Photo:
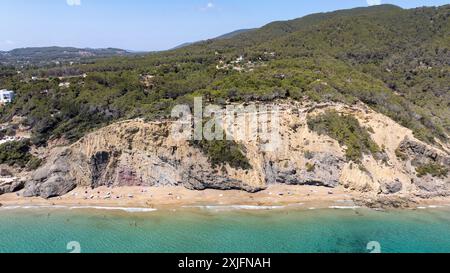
[{"x": 396, "y": 61}]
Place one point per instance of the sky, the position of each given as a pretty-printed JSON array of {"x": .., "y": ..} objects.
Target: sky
[{"x": 149, "y": 25}]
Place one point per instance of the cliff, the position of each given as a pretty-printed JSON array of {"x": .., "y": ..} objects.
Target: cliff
[{"x": 138, "y": 153}]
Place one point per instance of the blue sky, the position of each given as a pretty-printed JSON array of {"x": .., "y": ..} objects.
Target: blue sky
[{"x": 151, "y": 24}]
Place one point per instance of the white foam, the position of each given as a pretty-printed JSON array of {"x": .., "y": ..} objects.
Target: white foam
[
  {"x": 431, "y": 207},
  {"x": 131, "y": 210},
  {"x": 32, "y": 207},
  {"x": 435, "y": 207},
  {"x": 236, "y": 207},
  {"x": 344, "y": 207},
  {"x": 296, "y": 205}
]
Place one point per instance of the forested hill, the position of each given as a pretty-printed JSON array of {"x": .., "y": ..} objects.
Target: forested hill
[
  {"x": 396, "y": 61},
  {"x": 47, "y": 55}
]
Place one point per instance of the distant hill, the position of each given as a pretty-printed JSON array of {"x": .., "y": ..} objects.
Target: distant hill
[
  {"x": 46, "y": 55},
  {"x": 221, "y": 37},
  {"x": 233, "y": 34},
  {"x": 183, "y": 45}
]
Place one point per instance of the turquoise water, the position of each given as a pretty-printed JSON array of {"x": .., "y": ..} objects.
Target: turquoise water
[{"x": 286, "y": 231}]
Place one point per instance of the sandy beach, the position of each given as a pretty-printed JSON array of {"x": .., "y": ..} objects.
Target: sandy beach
[
  {"x": 275, "y": 196},
  {"x": 160, "y": 197}
]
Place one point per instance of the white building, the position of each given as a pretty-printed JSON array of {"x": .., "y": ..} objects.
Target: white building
[
  {"x": 6, "y": 96},
  {"x": 64, "y": 85}
]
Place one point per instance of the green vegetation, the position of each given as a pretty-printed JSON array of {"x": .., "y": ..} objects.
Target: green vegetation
[
  {"x": 310, "y": 167},
  {"x": 221, "y": 152},
  {"x": 401, "y": 155},
  {"x": 347, "y": 131},
  {"x": 434, "y": 169},
  {"x": 18, "y": 154},
  {"x": 394, "y": 60},
  {"x": 40, "y": 56}
]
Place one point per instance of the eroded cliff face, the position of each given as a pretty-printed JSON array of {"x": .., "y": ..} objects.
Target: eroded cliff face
[{"x": 138, "y": 153}]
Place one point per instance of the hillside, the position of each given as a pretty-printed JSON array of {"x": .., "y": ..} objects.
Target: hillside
[
  {"x": 48, "y": 55},
  {"x": 394, "y": 62}
]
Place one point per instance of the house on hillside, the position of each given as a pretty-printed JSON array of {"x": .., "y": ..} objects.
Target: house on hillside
[{"x": 6, "y": 96}]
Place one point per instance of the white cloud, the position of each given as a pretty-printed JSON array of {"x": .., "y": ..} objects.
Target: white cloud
[
  {"x": 9, "y": 42},
  {"x": 373, "y": 2},
  {"x": 73, "y": 2},
  {"x": 209, "y": 6}
]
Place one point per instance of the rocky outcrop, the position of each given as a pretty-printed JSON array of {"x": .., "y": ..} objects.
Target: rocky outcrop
[
  {"x": 202, "y": 180},
  {"x": 419, "y": 153},
  {"x": 415, "y": 154},
  {"x": 321, "y": 169},
  {"x": 391, "y": 187},
  {"x": 385, "y": 202},
  {"x": 54, "y": 178},
  {"x": 11, "y": 185}
]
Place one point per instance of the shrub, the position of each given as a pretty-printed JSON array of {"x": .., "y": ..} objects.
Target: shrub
[
  {"x": 400, "y": 155},
  {"x": 34, "y": 163},
  {"x": 310, "y": 167},
  {"x": 220, "y": 152},
  {"x": 16, "y": 153},
  {"x": 434, "y": 169},
  {"x": 347, "y": 131}
]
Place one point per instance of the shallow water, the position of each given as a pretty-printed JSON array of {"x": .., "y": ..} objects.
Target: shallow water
[{"x": 233, "y": 230}]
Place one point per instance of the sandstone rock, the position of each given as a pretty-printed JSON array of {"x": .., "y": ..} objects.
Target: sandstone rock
[
  {"x": 385, "y": 202},
  {"x": 5, "y": 173},
  {"x": 326, "y": 172},
  {"x": 203, "y": 180},
  {"x": 391, "y": 187},
  {"x": 11, "y": 185},
  {"x": 53, "y": 179},
  {"x": 56, "y": 186},
  {"x": 419, "y": 154}
]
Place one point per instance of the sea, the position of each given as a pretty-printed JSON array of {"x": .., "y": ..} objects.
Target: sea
[{"x": 215, "y": 229}]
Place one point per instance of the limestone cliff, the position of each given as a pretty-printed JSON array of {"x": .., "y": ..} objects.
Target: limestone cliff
[{"x": 138, "y": 153}]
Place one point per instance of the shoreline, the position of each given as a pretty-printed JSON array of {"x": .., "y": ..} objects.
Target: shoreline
[{"x": 148, "y": 199}]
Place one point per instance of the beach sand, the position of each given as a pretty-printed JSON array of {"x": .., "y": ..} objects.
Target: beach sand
[
  {"x": 307, "y": 197},
  {"x": 160, "y": 197}
]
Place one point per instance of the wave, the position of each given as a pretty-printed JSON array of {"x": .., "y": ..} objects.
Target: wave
[
  {"x": 130, "y": 210},
  {"x": 236, "y": 207},
  {"x": 431, "y": 207},
  {"x": 344, "y": 207},
  {"x": 32, "y": 207},
  {"x": 115, "y": 208}
]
